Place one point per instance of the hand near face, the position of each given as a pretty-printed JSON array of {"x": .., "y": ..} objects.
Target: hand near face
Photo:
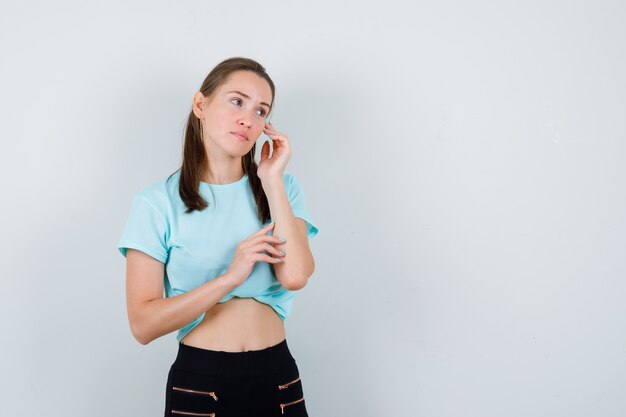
[{"x": 274, "y": 166}]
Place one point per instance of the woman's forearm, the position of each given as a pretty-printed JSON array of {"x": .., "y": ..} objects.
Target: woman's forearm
[
  {"x": 298, "y": 264},
  {"x": 165, "y": 315}
]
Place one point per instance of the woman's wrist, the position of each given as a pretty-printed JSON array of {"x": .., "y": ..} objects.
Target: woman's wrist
[{"x": 227, "y": 281}]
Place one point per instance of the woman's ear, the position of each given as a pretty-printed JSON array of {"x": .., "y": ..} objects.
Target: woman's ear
[{"x": 199, "y": 102}]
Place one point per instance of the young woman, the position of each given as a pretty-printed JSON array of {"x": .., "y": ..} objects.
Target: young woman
[{"x": 227, "y": 241}]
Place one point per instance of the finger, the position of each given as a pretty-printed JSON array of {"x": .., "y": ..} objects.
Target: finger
[
  {"x": 261, "y": 257},
  {"x": 274, "y": 134},
  {"x": 265, "y": 151},
  {"x": 258, "y": 236},
  {"x": 263, "y": 230},
  {"x": 272, "y": 240},
  {"x": 270, "y": 129},
  {"x": 269, "y": 259},
  {"x": 261, "y": 243},
  {"x": 264, "y": 246},
  {"x": 278, "y": 139}
]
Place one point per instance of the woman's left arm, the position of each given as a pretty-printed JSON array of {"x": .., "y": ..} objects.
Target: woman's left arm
[{"x": 298, "y": 264}]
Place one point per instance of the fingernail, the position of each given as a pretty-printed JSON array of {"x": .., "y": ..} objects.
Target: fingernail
[{"x": 282, "y": 239}]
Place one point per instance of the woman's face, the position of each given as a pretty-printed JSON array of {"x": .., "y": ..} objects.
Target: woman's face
[{"x": 239, "y": 105}]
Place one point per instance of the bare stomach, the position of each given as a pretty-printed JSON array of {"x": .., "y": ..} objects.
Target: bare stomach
[{"x": 237, "y": 325}]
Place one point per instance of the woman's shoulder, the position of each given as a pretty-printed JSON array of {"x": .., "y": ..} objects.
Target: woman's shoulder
[{"x": 162, "y": 191}]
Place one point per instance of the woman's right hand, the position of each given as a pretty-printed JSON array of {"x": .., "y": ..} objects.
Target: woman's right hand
[{"x": 250, "y": 251}]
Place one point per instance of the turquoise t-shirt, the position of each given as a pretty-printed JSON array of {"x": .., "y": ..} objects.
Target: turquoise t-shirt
[{"x": 199, "y": 246}]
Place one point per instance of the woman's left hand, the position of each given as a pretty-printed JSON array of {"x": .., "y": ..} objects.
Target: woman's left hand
[{"x": 274, "y": 167}]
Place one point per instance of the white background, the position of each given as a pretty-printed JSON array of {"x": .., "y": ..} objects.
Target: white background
[{"x": 464, "y": 162}]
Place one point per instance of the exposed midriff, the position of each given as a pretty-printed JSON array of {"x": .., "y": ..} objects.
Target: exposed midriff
[{"x": 237, "y": 325}]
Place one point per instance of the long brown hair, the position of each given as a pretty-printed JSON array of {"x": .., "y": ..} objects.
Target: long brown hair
[{"x": 195, "y": 161}]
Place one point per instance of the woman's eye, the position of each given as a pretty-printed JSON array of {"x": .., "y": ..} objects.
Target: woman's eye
[{"x": 262, "y": 110}]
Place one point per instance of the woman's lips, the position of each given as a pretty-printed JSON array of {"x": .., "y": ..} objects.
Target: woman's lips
[{"x": 239, "y": 136}]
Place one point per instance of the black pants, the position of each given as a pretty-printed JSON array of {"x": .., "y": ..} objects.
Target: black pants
[{"x": 211, "y": 383}]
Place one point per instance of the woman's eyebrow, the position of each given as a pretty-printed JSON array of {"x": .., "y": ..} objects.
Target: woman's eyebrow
[{"x": 247, "y": 96}]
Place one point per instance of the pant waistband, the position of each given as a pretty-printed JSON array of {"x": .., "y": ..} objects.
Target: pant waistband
[{"x": 217, "y": 362}]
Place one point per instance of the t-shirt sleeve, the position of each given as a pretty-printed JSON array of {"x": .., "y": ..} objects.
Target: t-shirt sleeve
[
  {"x": 299, "y": 208},
  {"x": 145, "y": 230}
]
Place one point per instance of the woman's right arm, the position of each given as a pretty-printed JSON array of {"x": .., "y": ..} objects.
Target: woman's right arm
[{"x": 152, "y": 316}]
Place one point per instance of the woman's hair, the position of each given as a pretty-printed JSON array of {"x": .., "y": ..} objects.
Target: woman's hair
[{"x": 195, "y": 161}]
